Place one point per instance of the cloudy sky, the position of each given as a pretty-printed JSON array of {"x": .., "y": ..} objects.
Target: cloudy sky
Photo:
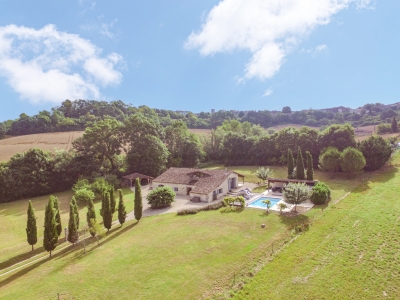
[{"x": 199, "y": 55}]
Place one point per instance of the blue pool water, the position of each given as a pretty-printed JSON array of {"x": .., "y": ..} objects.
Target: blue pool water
[{"x": 259, "y": 202}]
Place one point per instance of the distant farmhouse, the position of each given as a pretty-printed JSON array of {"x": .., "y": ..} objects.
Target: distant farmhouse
[{"x": 205, "y": 185}]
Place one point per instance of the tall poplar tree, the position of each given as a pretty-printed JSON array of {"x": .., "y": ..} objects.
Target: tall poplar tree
[
  {"x": 31, "y": 228},
  {"x": 138, "y": 209},
  {"x": 76, "y": 211},
  {"x": 310, "y": 168},
  {"x": 91, "y": 217},
  {"x": 121, "y": 209},
  {"x": 290, "y": 163},
  {"x": 300, "y": 165},
  {"x": 106, "y": 211},
  {"x": 58, "y": 218},
  {"x": 113, "y": 202},
  {"x": 50, "y": 237},
  {"x": 72, "y": 229},
  {"x": 394, "y": 124}
]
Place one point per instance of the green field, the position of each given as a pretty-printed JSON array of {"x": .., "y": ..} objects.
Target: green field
[
  {"x": 213, "y": 254},
  {"x": 351, "y": 251},
  {"x": 14, "y": 247}
]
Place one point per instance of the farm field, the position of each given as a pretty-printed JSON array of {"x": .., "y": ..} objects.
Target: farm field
[
  {"x": 44, "y": 141},
  {"x": 63, "y": 140},
  {"x": 14, "y": 247},
  {"x": 179, "y": 257},
  {"x": 350, "y": 252}
]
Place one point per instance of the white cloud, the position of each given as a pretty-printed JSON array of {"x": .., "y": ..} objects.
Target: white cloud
[
  {"x": 268, "y": 92},
  {"x": 48, "y": 65},
  {"x": 321, "y": 48},
  {"x": 270, "y": 30},
  {"x": 105, "y": 28},
  {"x": 316, "y": 50}
]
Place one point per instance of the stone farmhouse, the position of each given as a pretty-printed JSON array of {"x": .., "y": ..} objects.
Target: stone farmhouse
[{"x": 200, "y": 184}]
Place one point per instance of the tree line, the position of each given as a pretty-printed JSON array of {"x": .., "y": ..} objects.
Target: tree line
[
  {"x": 79, "y": 114},
  {"x": 110, "y": 148}
]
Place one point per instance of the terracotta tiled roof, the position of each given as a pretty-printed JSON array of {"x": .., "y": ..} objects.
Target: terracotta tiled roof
[{"x": 203, "y": 181}]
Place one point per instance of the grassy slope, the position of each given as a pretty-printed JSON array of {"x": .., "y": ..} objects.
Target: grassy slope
[
  {"x": 14, "y": 247},
  {"x": 350, "y": 252},
  {"x": 176, "y": 257}
]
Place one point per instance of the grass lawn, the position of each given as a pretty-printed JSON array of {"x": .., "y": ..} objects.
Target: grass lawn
[
  {"x": 13, "y": 217},
  {"x": 168, "y": 256},
  {"x": 210, "y": 253},
  {"x": 351, "y": 251}
]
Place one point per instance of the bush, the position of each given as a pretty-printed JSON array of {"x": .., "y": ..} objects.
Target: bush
[
  {"x": 230, "y": 201},
  {"x": 81, "y": 184},
  {"x": 193, "y": 211},
  {"x": 320, "y": 193},
  {"x": 384, "y": 128},
  {"x": 84, "y": 195},
  {"x": 113, "y": 181},
  {"x": 100, "y": 185},
  {"x": 161, "y": 197},
  {"x": 376, "y": 151}
]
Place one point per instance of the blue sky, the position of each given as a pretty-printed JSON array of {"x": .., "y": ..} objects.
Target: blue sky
[{"x": 198, "y": 55}]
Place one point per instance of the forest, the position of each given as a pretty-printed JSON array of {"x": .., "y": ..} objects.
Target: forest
[
  {"x": 113, "y": 146},
  {"x": 79, "y": 114}
]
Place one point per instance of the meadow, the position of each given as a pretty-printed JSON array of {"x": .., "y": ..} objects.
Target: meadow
[
  {"x": 208, "y": 255},
  {"x": 45, "y": 141},
  {"x": 351, "y": 251},
  {"x": 13, "y": 216},
  {"x": 63, "y": 140}
]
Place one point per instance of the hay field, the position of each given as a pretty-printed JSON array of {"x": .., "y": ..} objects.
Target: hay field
[{"x": 44, "y": 141}]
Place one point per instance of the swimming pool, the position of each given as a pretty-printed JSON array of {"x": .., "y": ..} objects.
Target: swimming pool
[{"x": 258, "y": 203}]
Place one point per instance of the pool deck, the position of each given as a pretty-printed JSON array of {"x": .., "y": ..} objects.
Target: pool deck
[{"x": 307, "y": 205}]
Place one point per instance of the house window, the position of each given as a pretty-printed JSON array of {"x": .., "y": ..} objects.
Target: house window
[
  {"x": 220, "y": 191},
  {"x": 176, "y": 189}
]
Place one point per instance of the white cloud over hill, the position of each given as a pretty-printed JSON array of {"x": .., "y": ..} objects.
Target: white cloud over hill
[
  {"x": 269, "y": 29},
  {"x": 47, "y": 65}
]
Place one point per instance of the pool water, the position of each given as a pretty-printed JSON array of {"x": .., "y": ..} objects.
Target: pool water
[{"x": 258, "y": 203}]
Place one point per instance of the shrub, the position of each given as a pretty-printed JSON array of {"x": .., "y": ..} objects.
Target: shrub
[
  {"x": 230, "y": 201},
  {"x": 376, "y": 151},
  {"x": 84, "y": 195},
  {"x": 100, "y": 185},
  {"x": 193, "y": 211},
  {"x": 320, "y": 193},
  {"x": 384, "y": 128},
  {"x": 352, "y": 160},
  {"x": 81, "y": 184},
  {"x": 113, "y": 181},
  {"x": 161, "y": 197}
]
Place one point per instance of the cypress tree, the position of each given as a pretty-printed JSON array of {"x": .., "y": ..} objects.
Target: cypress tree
[
  {"x": 72, "y": 229},
  {"x": 91, "y": 217},
  {"x": 290, "y": 162},
  {"x": 58, "y": 218},
  {"x": 310, "y": 168},
  {"x": 121, "y": 209},
  {"x": 76, "y": 212},
  {"x": 31, "y": 228},
  {"x": 106, "y": 210},
  {"x": 50, "y": 237},
  {"x": 113, "y": 202},
  {"x": 300, "y": 165},
  {"x": 138, "y": 209},
  {"x": 394, "y": 124}
]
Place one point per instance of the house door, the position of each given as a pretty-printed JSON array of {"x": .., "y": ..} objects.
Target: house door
[
  {"x": 188, "y": 190},
  {"x": 233, "y": 183}
]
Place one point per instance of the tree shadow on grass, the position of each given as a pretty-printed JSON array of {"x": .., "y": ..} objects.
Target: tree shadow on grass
[
  {"x": 22, "y": 272},
  {"x": 294, "y": 220},
  {"x": 21, "y": 257}
]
